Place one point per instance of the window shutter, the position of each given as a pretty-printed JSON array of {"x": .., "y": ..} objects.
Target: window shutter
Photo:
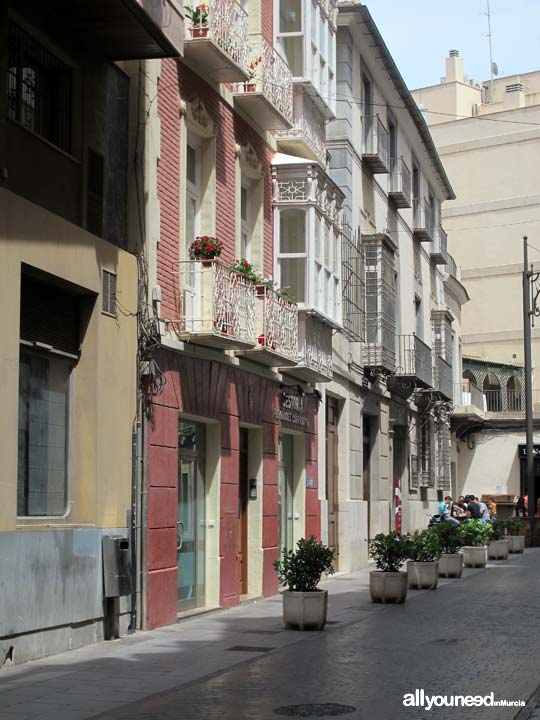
[{"x": 109, "y": 292}]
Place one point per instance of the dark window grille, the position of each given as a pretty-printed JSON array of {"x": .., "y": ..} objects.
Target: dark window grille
[
  {"x": 109, "y": 292},
  {"x": 39, "y": 87},
  {"x": 353, "y": 285}
]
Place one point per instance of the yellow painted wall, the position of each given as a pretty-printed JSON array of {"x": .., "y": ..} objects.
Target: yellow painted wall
[{"x": 104, "y": 380}]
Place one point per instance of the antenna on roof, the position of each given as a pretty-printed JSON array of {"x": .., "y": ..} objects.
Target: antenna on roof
[{"x": 492, "y": 66}]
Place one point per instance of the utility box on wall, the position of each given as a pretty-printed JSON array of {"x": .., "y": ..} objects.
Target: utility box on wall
[{"x": 116, "y": 566}]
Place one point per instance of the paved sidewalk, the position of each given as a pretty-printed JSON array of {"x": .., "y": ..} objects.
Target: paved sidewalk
[{"x": 241, "y": 663}]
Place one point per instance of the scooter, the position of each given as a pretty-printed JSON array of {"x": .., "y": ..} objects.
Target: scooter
[{"x": 434, "y": 520}]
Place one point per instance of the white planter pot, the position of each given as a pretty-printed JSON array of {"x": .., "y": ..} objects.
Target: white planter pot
[
  {"x": 451, "y": 565},
  {"x": 475, "y": 556},
  {"x": 388, "y": 587},
  {"x": 423, "y": 575},
  {"x": 498, "y": 549},
  {"x": 305, "y": 610},
  {"x": 517, "y": 543}
]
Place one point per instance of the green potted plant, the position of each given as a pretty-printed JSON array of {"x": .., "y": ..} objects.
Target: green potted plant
[
  {"x": 205, "y": 248},
  {"x": 474, "y": 536},
  {"x": 515, "y": 538},
  {"x": 388, "y": 583},
  {"x": 304, "y": 604},
  {"x": 251, "y": 84},
  {"x": 451, "y": 561},
  {"x": 424, "y": 551},
  {"x": 499, "y": 545},
  {"x": 198, "y": 15}
]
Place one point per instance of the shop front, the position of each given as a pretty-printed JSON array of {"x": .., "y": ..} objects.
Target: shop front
[{"x": 231, "y": 478}]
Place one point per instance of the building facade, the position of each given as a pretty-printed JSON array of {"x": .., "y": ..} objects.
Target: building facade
[
  {"x": 69, "y": 286},
  {"x": 481, "y": 129}
]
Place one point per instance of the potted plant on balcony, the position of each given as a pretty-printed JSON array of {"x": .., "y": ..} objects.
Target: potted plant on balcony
[
  {"x": 516, "y": 539},
  {"x": 474, "y": 536},
  {"x": 499, "y": 545},
  {"x": 388, "y": 584},
  {"x": 304, "y": 604},
  {"x": 247, "y": 270},
  {"x": 451, "y": 561},
  {"x": 251, "y": 85},
  {"x": 205, "y": 248},
  {"x": 424, "y": 551},
  {"x": 199, "y": 19}
]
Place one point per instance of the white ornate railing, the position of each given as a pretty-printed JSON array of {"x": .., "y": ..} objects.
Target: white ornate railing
[
  {"x": 228, "y": 27},
  {"x": 279, "y": 324},
  {"x": 316, "y": 345},
  {"x": 309, "y": 125},
  {"x": 272, "y": 76},
  {"x": 216, "y": 301}
]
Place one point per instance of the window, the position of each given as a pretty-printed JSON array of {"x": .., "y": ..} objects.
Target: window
[
  {"x": 245, "y": 222},
  {"x": 292, "y": 251},
  {"x": 418, "y": 319},
  {"x": 353, "y": 285},
  {"x": 291, "y": 34},
  {"x": 49, "y": 336},
  {"x": 392, "y": 143},
  {"x": 367, "y": 112},
  {"x": 39, "y": 89},
  {"x": 193, "y": 192},
  {"x": 109, "y": 293}
]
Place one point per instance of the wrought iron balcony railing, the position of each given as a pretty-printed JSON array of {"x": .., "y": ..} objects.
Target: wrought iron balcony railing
[
  {"x": 443, "y": 378},
  {"x": 314, "y": 350},
  {"x": 217, "y": 306},
  {"x": 308, "y": 133},
  {"x": 268, "y": 96},
  {"x": 438, "y": 248},
  {"x": 414, "y": 360},
  {"x": 400, "y": 183},
  {"x": 506, "y": 401},
  {"x": 423, "y": 220},
  {"x": 276, "y": 327},
  {"x": 218, "y": 48},
  {"x": 376, "y": 152}
]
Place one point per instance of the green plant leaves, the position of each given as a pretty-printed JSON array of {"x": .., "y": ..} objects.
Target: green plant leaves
[{"x": 301, "y": 569}]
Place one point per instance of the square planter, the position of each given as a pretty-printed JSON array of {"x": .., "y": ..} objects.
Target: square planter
[
  {"x": 498, "y": 549},
  {"x": 517, "y": 543},
  {"x": 305, "y": 610},
  {"x": 423, "y": 575},
  {"x": 388, "y": 587},
  {"x": 475, "y": 556},
  {"x": 451, "y": 565}
]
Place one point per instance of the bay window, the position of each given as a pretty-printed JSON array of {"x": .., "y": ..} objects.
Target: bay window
[{"x": 308, "y": 239}]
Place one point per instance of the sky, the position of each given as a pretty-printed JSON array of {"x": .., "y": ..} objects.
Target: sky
[{"x": 419, "y": 34}]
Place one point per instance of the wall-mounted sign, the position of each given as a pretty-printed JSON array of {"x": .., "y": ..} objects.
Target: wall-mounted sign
[
  {"x": 309, "y": 482},
  {"x": 523, "y": 451},
  {"x": 291, "y": 410}
]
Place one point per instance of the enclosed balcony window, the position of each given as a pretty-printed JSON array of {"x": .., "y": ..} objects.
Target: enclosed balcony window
[{"x": 292, "y": 253}]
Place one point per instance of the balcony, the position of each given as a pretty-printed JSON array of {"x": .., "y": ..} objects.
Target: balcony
[
  {"x": 400, "y": 183},
  {"x": 268, "y": 97},
  {"x": 218, "y": 50},
  {"x": 438, "y": 250},
  {"x": 276, "y": 328},
  {"x": 423, "y": 221},
  {"x": 467, "y": 394},
  {"x": 443, "y": 378},
  {"x": 413, "y": 361},
  {"x": 128, "y": 30},
  {"x": 217, "y": 306},
  {"x": 306, "y": 138},
  {"x": 375, "y": 154},
  {"x": 451, "y": 267},
  {"x": 315, "y": 351}
]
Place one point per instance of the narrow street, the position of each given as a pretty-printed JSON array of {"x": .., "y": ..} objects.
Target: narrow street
[{"x": 471, "y": 636}]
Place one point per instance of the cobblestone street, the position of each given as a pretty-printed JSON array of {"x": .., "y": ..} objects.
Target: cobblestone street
[{"x": 471, "y": 636}]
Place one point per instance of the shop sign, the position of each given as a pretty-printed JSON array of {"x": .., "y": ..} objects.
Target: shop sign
[
  {"x": 523, "y": 451},
  {"x": 291, "y": 410}
]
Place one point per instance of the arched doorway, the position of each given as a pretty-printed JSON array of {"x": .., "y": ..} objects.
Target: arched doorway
[
  {"x": 466, "y": 387},
  {"x": 513, "y": 394},
  {"x": 492, "y": 391}
]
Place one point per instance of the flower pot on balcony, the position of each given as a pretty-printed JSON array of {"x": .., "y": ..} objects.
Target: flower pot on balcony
[
  {"x": 423, "y": 575},
  {"x": 250, "y": 87},
  {"x": 517, "y": 543},
  {"x": 475, "y": 556},
  {"x": 451, "y": 565},
  {"x": 260, "y": 290},
  {"x": 498, "y": 549},
  {"x": 199, "y": 31}
]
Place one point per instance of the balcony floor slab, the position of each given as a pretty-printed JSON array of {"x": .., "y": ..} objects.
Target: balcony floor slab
[
  {"x": 262, "y": 110},
  {"x": 205, "y": 57},
  {"x": 267, "y": 356}
]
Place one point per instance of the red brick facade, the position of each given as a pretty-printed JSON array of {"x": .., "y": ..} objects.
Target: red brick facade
[{"x": 211, "y": 390}]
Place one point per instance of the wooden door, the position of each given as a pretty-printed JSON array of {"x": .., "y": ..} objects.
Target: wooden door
[
  {"x": 243, "y": 499},
  {"x": 332, "y": 473},
  {"x": 366, "y": 464}
]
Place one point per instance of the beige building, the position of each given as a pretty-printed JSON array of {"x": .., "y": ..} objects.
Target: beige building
[{"x": 487, "y": 136}]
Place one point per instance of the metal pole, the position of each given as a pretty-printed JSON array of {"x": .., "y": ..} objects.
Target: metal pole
[
  {"x": 490, "y": 51},
  {"x": 529, "y": 477}
]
